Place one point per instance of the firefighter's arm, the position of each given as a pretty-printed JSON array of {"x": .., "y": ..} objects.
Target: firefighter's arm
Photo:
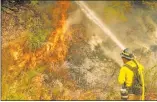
[{"x": 121, "y": 77}]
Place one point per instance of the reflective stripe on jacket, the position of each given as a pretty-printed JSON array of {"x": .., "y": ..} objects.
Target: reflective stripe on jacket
[{"x": 126, "y": 75}]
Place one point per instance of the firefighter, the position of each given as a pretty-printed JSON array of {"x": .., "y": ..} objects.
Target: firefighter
[{"x": 131, "y": 77}]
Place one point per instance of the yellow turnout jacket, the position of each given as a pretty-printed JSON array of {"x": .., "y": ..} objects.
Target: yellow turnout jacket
[{"x": 126, "y": 75}]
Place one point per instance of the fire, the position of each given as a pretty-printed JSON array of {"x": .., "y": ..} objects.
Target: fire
[
  {"x": 58, "y": 37},
  {"x": 55, "y": 49}
]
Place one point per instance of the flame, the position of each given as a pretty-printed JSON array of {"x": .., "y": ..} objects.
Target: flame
[
  {"x": 58, "y": 37},
  {"x": 55, "y": 49}
]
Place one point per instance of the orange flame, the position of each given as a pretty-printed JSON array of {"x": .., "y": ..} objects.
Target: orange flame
[
  {"x": 55, "y": 49},
  {"x": 57, "y": 38}
]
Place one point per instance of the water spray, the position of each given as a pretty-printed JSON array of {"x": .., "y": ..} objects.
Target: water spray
[{"x": 90, "y": 14}]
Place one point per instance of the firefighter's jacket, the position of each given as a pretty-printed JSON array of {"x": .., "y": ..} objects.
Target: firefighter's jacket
[{"x": 126, "y": 75}]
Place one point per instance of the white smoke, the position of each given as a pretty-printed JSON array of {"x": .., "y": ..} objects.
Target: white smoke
[
  {"x": 134, "y": 33},
  {"x": 92, "y": 16}
]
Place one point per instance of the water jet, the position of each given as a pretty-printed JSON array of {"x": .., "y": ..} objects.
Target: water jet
[{"x": 90, "y": 14}]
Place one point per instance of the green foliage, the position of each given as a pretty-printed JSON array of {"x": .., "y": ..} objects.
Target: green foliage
[
  {"x": 35, "y": 21},
  {"x": 38, "y": 32},
  {"x": 36, "y": 39},
  {"x": 151, "y": 5},
  {"x": 23, "y": 87},
  {"x": 150, "y": 76},
  {"x": 151, "y": 79},
  {"x": 34, "y": 2},
  {"x": 117, "y": 10}
]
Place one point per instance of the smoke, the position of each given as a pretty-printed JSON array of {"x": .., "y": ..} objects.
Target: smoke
[
  {"x": 137, "y": 32},
  {"x": 97, "y": 33},
  {"x": 90, "y": 14},
  {"x": 74, "y": 18}
]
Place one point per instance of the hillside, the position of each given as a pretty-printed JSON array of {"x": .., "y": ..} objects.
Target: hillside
[{"x": 52, "y": 51}]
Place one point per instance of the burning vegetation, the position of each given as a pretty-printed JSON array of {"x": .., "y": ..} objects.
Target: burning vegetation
[
  {"x": 44, "y": 57},
  {"x": 39, "y": 74}
]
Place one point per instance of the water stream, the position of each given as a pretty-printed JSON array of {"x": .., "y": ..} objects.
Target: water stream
[{"x": 92, "y": 16}]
